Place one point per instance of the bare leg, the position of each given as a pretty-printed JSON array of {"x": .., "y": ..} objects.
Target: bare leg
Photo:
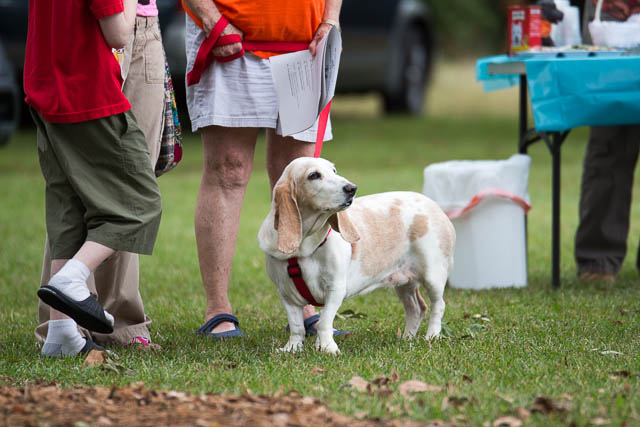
[
  {"x": 228, "y": 161},
  {"x": 91, "y": 254},
  {"x": 280, "y": 152}
]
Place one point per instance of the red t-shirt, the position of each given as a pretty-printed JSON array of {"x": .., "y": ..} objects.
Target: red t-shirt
[{"x": 70, "y": 73}]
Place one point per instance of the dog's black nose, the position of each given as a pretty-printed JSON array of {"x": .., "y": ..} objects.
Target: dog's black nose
[{"x": 350, "y": 189}]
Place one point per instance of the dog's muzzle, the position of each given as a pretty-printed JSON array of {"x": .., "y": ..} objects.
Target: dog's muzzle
[{"x": 349, "y": 191}]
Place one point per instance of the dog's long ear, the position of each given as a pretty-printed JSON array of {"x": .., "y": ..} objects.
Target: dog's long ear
[
  {"x": 287, "y": 217},
  {"x": 342, "y": 223}
]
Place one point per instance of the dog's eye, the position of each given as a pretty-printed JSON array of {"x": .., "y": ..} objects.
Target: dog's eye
[
  {"x": 314, "y": 175},
  {"x": 334, "y": 170}
]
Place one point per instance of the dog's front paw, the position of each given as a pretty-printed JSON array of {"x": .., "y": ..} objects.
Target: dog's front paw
[
  {"x": 292, "y": 347},
  {"x": 432, "y": 336},
  {"x": 328, "y": 347}
]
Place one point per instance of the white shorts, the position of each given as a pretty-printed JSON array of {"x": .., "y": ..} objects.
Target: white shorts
[{"x": 239, "y": 93}]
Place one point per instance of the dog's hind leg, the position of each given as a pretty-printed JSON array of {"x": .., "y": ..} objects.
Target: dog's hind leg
[
  {"x": 414, "y": 308},
  {"x": 435, "y": 283}
]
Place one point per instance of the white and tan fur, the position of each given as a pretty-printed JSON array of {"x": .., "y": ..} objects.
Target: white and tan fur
[{"x": 396, "y": 239}]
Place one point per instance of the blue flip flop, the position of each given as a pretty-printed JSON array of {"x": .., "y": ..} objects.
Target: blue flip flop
[
  {"x": 215, "y": 321},
  {"x": 310, "y": 328}
]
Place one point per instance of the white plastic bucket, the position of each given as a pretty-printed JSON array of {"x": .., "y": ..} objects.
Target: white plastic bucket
[{"x": 487, "y": 202}]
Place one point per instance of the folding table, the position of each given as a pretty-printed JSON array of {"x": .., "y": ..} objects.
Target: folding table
[{"x": 567, "y": 90}]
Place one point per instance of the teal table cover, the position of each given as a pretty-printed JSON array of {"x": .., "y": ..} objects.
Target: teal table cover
[{"x": 570, "y": 92}]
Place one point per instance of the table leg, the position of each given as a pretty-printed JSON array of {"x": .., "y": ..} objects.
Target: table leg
[
  {"x": 555, "y": 226},
  {"x": 522, "y": 131},
  {"x": 554, "y": 142}
]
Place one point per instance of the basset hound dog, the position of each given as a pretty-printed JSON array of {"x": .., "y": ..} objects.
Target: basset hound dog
[{"x": 342, "y": 246}]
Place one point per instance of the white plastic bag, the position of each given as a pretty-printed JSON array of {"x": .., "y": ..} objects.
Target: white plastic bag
[
  {"x": 454, "y": 184},
  {"x": 623, "y": 35}
]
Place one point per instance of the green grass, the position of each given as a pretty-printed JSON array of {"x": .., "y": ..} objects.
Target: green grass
[{"x": 538, "y": 342}]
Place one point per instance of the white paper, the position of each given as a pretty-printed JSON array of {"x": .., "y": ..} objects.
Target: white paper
[{"x": 305, "y": 84}]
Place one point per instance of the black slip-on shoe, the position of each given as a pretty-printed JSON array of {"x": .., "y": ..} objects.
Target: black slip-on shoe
[
  {"x": 90, "y": 345},
  {"x": 87, "y": 313}
]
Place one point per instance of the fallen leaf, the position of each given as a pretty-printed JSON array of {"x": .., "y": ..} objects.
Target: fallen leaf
[
  {"x": 613, "y": 352},
  {"x": 399, "y": 333},
  {"x": 384, "y": 391},
  {"x": 380, "y": 381},
  {"x": 104, "y": 421},
  {"x": 546, "y": 405},
  {"x": 394, "y": 376},
  {"x": 505, "y": 397},
  {"x": 93, "y": 359},
  {"x": 350, "y": 314},
  {"x": 467, "y": 379},
  {"x": 599, "y": 421},
  {"x": 359, "y": 383},
  {"x": 318, "y": 371},
  {"x": 415, "y": 386},
  {"x": 360, "y": 415},
  {"x": 446, "y": 331},
  {"x": 523, "y": 413},
  {"x": 453, "y": 402},
  {"x": 507, "y": 421},
  {"x": 483, "y": 317},
  {"x": 617, "y": 374}
]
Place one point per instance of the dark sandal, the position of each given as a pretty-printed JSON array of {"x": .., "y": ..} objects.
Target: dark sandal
[
  {"x": 310, "y": 328},
  {"x": 90, "y": 345},
  {"x": 215, "y": 321},
  {"x": 87, "y": 313}
]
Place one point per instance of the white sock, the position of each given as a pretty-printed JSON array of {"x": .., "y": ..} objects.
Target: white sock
[
  {"x": 72, "y": 280},
  {"x": 63, "y": 339}
]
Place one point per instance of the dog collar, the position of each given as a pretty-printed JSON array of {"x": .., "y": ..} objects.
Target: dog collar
[{"x": 295, "y": 272}]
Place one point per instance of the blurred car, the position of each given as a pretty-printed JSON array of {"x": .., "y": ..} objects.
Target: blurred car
[{"x": 387, "y": 48}]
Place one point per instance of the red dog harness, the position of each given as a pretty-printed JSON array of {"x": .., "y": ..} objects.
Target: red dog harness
[{"x": 295, "y": 272}]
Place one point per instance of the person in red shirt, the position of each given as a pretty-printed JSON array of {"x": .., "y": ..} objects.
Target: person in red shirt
[{"x": 101, "y": 192}]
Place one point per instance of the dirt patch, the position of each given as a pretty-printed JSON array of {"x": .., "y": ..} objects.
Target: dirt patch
[{"x": 135, "y": 405}]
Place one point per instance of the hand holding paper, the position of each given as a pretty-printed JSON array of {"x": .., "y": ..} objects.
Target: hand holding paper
[{"x": 305, "y": 84}]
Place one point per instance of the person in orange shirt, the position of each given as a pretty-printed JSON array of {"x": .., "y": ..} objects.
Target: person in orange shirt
[{"x": 228, "y": 106}]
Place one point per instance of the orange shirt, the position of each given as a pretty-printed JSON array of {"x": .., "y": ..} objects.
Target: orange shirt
[{"x": 270, "y": 20}]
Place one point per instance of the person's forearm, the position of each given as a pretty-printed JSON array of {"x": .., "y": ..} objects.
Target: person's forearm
[
  {"x": 117, "y": 28},
  {"x": 332, "y": 10},
  {"x": 207, "y": 11},
  {"x": 130, "y": 12}
]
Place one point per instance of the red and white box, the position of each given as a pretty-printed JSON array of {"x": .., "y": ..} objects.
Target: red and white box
[{"x": 524, "y": 27}]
